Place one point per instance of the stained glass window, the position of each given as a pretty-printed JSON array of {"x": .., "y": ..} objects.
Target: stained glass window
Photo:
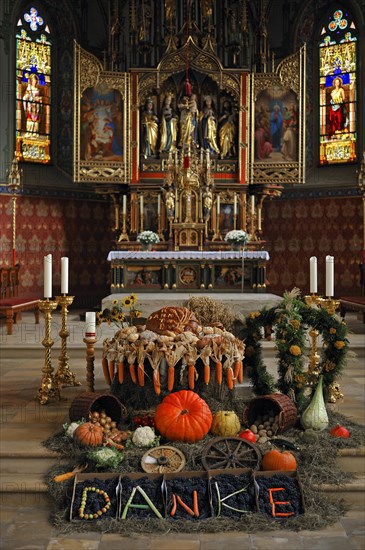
[
  {"x": 337, "y": 89},
  {"x": 33, "y": 88}
]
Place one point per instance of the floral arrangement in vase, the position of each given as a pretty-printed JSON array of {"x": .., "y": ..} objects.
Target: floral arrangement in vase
[
  {"x": 121, "y": 313},
  {"x": 148, "y": 238},
  {"x": 237, "y": 237}
]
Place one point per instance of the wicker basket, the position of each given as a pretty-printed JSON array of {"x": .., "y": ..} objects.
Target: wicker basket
[
  {"x": 281, "y": 404},
  {"x": 88, "y": 402}
]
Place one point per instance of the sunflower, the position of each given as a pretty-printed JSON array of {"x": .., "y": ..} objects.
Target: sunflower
[
  {"x": 127, "y": 302},
  {"x": 115, "y": 302},
  {"x": 133, "y": 298}
]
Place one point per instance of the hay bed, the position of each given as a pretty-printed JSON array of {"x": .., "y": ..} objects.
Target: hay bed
[{"x": 316, "y": 466}]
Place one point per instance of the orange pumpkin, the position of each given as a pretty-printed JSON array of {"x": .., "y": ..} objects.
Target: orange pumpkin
[
  {"x": 183, "y": 416},
  {"x": 279, "y": 460},
  {"x": 89, "y": 434}
]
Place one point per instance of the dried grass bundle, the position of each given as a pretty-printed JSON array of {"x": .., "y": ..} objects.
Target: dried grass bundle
[{"x": 209, "y": 311}]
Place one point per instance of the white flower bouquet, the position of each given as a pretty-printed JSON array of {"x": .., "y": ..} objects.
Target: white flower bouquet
[
  {"x": 237, "y": 236},
  {"x": 148, "y": 237}
]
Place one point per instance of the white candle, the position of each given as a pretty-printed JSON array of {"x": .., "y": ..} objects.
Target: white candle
[
  {"x": 330, "y": 276},
  {"x": 64, "y": 275},
  {"x": 235, "y": 205},
  {"x": 218, "y": 204},
  {"x": 124, "y": 204},
  {"x": 47, "y": 268},
  {"x": 141, "y": 205},
  {"x": 252, "y": 205},
  {"x": 313, "y": 275},
  {"x": 159, "y": 204},
  {"x": 259, "y": 219},
  {"x": 90, "y": 323}
]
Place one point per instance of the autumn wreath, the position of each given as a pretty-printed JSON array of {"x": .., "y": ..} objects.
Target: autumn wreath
[{"x": 290, "y": 320}]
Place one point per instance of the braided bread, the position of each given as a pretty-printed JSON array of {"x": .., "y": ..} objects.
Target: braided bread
[{"x": 172, "y": 319}]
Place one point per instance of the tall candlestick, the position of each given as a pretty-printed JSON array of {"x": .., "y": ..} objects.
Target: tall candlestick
[
  {"x": 90, "y": 319},
  {"x": 124, "y": 204},
  {"x": 259, "y": 223},
  {"x": 141, "y": 205},
  {"x": 159, "y": 204},
  {"x": 313, "y": 275},
  {"x": 330, "y": 276},
  {"x": 64, "y": 275},
  {"x": 235, "y": 205},
  {"x": 47, "y": 267},
  {"x": 218, "y": 204},
  {"x": 253, "y": 205}
]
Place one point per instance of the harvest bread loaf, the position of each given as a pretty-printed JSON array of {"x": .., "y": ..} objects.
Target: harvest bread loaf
[{"x": 172, "y": 319}]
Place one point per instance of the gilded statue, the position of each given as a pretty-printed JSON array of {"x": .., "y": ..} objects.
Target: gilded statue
[
  {"x": 207, "y": 202},
  {"x": 149, "y": 129},
  {"x": 208, "y": 125},
  {"x": 227, "y": 130},
  {"x": 188, "y": 120},
  {"x": 170, "y": 202},
  {"x": 168, "y": 126}
]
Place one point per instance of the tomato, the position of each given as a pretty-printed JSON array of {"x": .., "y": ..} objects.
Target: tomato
[
  {"x": 248, "y": 435},
  {"x": 340, "y": 431}
]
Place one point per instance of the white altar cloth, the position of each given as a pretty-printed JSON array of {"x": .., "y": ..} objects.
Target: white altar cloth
[{"x": 188, "y": 255}]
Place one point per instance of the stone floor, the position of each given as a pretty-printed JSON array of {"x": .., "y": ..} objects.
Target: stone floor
[{"x": 24, "y": 424}]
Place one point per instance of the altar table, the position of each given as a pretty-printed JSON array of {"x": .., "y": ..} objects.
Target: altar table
[{"x": 184, "y": 270}]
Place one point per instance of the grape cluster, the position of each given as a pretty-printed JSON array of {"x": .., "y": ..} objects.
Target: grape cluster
[
  {"x": 228, "y": 484},
  {"x": 291, "y": 494}
]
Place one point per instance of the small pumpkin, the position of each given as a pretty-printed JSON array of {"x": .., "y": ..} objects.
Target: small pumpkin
[
  {"x": 183, "y": 416},
  {"x": 89, "y": 434},
  {"x": 279, "y": 460},
  {"x": 340, "y": 431},
  {"x": 248, "y": 435},
  {"x": 225, "y": 424}
]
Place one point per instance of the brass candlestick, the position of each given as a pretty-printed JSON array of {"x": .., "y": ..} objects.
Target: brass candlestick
[
  {"x": 123, "y": 236},
  {"x": 48, "y": 388},
  {"x": 159, "y": 229},
  {"x": 330, "y": 305},
  {"x": 64, "y": 377},
  {"x": 90, "y": 358}
]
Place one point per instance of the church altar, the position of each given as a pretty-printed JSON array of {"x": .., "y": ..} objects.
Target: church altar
[{"x": 181, "y": 270}]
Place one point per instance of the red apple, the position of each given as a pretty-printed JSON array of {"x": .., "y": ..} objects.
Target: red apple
[{"x": 248, "y": 435}]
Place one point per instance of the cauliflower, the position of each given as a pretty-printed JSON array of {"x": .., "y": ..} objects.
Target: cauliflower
[
  {"x": 144, "y": 437},
  {"x": 71, "y": 428}
]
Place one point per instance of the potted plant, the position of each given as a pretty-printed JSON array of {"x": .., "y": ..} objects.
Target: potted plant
[
  {"x": 237, "y": 238},
  {"x": 147, "y": 239}
]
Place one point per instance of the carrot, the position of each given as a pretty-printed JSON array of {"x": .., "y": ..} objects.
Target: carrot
[
  {"x": 191, "y": 377},
  {"x": 207, "y": 373},
  {"x": 195, "y": 503},
  {"x": 185, "y": 506},
  {"x": 229, "y": 378},
  {"x": 104, "y": 364},
  {"x": 236, "y": 368},
  {"x": 156, "y": 381},
  {"x": 121, "y": 372},
  {"x": 63, "y": 477},
  {"x": 111, "y": 370},
  {"x": 240, "y": 373},
  {"x": 170, "y": 378},
  {"x": 141, "y": 374},
  {"x": 219, "y": 372},
  {"x": 174, "y": 505},
  {"x": 132, "y": 372}
]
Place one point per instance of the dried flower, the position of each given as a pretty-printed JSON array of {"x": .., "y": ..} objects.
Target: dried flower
[
  {"x": 116, "y": 314},
  {"x": 295, "y": 350},
  {"x": 339, "y": 344},
  {"x": 332, "y": 331}
]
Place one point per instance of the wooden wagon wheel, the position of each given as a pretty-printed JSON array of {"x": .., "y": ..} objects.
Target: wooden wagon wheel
[
  {"x": 230, "y": 452},
  {"x": 162, "y": 460}
]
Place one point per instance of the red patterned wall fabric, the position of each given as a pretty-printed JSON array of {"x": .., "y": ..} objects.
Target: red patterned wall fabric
[
  {"x": 74, "y": 228},
  {"x": 297, "y": 229}
]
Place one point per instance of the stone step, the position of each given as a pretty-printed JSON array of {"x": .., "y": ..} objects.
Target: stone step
[
  {"x": 352, "y": 460},
  {"x": 22, "y": 483},
  {"x": 351, "y": 492},
  {"x": 28, "y": 465}
]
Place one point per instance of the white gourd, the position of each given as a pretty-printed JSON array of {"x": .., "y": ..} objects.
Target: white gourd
[{"x": 315, "y": 415}]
